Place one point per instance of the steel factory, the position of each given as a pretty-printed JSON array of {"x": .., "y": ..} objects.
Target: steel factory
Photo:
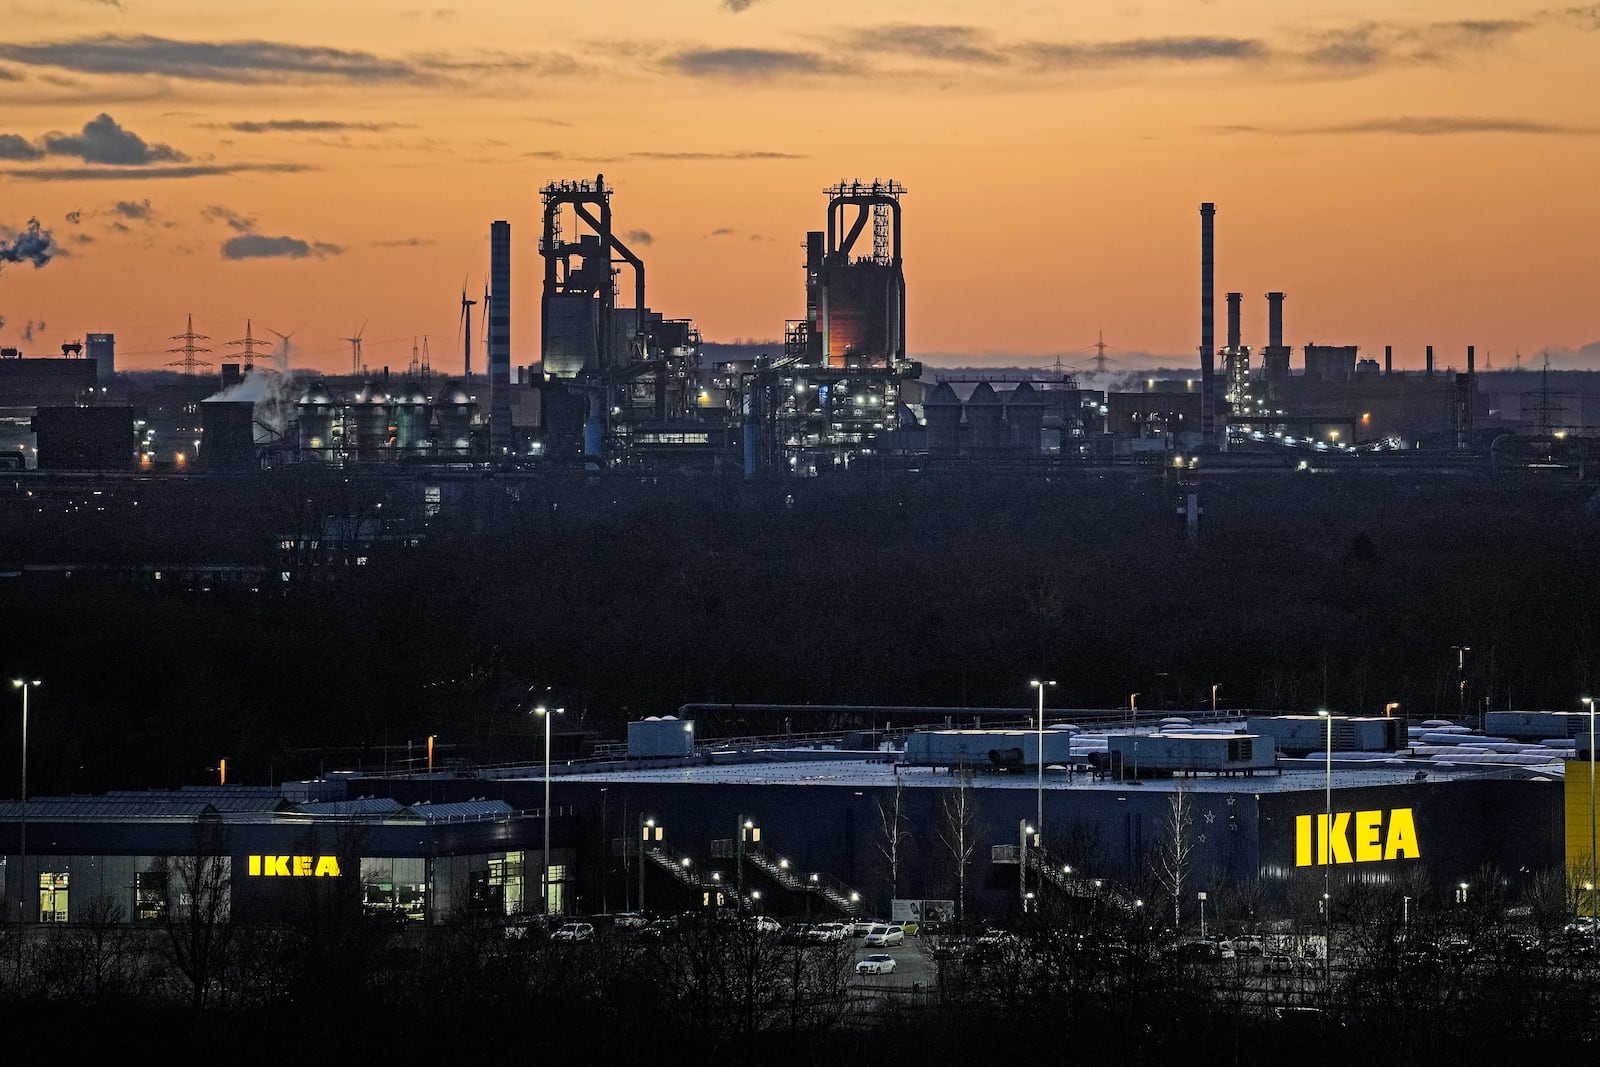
[
  {"x": 998, "y": 810},
  {"x": 617, "y": 385}
]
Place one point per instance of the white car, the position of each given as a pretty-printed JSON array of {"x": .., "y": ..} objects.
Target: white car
[
  {"x": 826, "y": 933},
  {"x": 574, "y": 932},
  {"x": 764, "y": 924},
  {"x": 630, "y": 920},
  {"x": 884, "y": 936},
  {"x": 877, "y": 963},
  {"x": 864, "y": 926}
]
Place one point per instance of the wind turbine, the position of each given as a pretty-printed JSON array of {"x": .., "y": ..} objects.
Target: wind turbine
[
  {"x": 282, "y": 358},
  {"x": 355, "y": 348},
  {"x": 466, "y": 324}
]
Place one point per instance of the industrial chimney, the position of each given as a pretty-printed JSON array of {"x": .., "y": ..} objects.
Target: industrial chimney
[
  {"x": 500, "y": 335},
  {"x": 1430, "y": 361},
  {"x": 1275, "y": 359},
  {"x": 1234, "y": 300},
  {"x": 1208, "y": 214}
]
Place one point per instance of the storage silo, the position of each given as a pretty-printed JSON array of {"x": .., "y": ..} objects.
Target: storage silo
[
  {"x": 411, "y": 421},
  {"x": 941, "y": 412},
  {"x": 452, "y": 420},
  {"x": 985, "y": 415},
  {"x": 371, "y": 409},
  {"x": 1025, "y": 419},
  {"x": 317, "y": 412}
]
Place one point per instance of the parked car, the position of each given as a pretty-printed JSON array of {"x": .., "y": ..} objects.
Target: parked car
[
  {"x": 826, "y": 933},
  {"x": 1278, "y": 963},
  {"x": 877, "y": 963},
  {"x": 884, "y": 936},
  {"x": 910, "y": 926},
  {"x": 764, "y": 924},
  {"x": 574, "y": 932},
  {"x": 862, "y": 927},
  {"x": 629, "y": 920},
  {"x": 659, "y": 930}
]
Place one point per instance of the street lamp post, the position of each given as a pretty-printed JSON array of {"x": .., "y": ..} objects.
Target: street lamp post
[
  {"x": 23, "y": 684},
  {"x": 1461, "y": 680},
  {"x": 748, "y": 831},
  {"x": 1327, "y": 842},
  {"x": 1594, "y": 854},
  {"x": 648, "y": 832},
  {"x": 1214, "y": 687},
  {"x": 1039, "y": 815},
  {"x": 546, "y": 713}
]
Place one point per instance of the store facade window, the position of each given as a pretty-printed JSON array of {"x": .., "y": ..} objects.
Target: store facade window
[
  {"x": 395, "y": 886},
  {"x": 507, "y": 880},
  {"x": 54, "y": 889},
  {"x": 149, "y": 896}
]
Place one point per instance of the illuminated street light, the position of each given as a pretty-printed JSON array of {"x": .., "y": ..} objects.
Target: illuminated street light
[
  {"x": 1024, "y": 832},
  {"x": 23, "y": 684},
  {"x": 1039, "y": 815},
  {"x": 546, "y": 714},
  {"x": 648, "y": 832},
  {"x": 1327, "y": 844},
  {"x": 1594, "y": 859},
  {"x": 1461, "y": 680}
]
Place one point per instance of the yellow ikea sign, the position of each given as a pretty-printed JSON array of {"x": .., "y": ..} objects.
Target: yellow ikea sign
[
  {"x": 294, "y": 867},
  {"x": 1356, "y": 837}
]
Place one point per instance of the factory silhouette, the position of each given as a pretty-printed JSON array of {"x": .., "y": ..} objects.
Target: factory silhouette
[{"x": 621, "y": 387}]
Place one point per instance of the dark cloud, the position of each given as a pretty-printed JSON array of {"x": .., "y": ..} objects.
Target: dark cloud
[
  {"x": 260, "y": 246},
  {"x": 490, "y": 61},
  {"x": 238, "y": 62},
  {"x": 737, "y": 6},
  {"x": 74, "y": 217},
  {"x": 405, "y": 242},
  {"x": 748, "y": 63},
  {"x": 721, "y": 156},
  {"x": 1445, "y": 125},
  {"x": 18, "y": 148},
  {"x": 103, "y": 141},
  {"x": 126, "y": 173},
  {"x": 1587, "y": 17},
  {"x": 234, "y": 220},
  {"x": 304, "y": 126},
  {"x": 1374, "y": 44},
  {"x": 723, "y": 231},
  {"x": 639, "y": 237},
  {"x": 34, "y": 244},
  {"x": 138, "y": 210},
  {"x": 1143, "y": 50},
  {"x": 956, "y": 44}
]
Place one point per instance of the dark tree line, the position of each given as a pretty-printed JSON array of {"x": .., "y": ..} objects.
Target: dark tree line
[{"x": 629, "y": 599}]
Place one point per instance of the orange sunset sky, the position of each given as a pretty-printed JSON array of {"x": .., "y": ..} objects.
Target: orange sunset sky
[{"x": 1412, "y": 174}]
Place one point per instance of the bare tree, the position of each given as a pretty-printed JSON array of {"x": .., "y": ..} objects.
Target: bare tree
[
  {"x": 1176, "y": 852},
  {"x": 893, "y": 834},
  {"x": 958, "y": 833},
  {"x": 196, "y": 924}
]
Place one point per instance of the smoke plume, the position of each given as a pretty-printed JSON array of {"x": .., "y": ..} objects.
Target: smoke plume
[{"x": 34, "y": 245}]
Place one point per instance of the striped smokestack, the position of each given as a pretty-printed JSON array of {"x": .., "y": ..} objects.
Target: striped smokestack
[
  {"x": 1234, "y": 300},
  {"x": 1208, "y": 214}
]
